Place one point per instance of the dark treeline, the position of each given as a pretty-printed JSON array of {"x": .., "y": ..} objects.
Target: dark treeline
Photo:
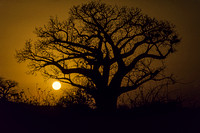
[
  {"x": 30, "y": 118},
  {"x": 73, "y": 114}
]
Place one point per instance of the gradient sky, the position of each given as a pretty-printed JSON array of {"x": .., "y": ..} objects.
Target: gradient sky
[{"x": 20, "y": 17}]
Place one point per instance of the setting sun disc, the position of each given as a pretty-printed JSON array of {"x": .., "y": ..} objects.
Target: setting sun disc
[{"x": 56, "y": 85}]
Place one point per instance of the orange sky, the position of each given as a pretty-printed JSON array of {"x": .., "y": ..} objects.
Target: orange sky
[{"x": 20, "y": 17}]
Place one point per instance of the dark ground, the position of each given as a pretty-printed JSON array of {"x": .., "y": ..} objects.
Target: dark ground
[{"x": 21, "y": 118}]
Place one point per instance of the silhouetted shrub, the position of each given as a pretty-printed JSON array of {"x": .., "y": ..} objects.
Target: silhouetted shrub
[{"x": 76, "y": 99}]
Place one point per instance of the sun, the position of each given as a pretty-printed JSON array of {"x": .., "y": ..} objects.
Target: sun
[{"x": 56, "y": 85}]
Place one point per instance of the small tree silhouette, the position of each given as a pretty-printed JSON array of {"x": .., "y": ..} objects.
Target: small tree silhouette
[
  {"x": 105, "y": 50},
  {"x": 6, "y": 90}
]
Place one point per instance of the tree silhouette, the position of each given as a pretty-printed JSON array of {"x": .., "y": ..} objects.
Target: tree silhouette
[
  {"x": 6, "y": 90},
  {"x": 105, "y": 50}
]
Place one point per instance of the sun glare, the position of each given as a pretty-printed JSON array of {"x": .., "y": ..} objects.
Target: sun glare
[{"x": 56, "y": 85}]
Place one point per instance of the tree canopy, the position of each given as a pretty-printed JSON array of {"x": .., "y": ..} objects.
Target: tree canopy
[
  {"x": 6, "y": 89},
  {"x": 106, "y": 50}
]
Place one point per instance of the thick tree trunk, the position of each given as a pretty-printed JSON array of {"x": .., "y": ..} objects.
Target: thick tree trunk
[{"x": 106, "y": 102}]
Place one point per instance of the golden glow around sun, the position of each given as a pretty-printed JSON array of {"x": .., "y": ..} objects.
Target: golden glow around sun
[{"x": 56, "y": 85}]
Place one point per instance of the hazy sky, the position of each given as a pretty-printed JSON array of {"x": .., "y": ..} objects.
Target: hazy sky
[{"x": 20, "y": 17}]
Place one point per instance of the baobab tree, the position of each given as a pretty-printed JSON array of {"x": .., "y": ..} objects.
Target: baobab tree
[{"x": 105, "y": 50}]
